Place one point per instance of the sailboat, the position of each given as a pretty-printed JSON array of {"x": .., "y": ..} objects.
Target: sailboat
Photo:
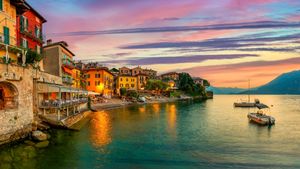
[
  {"x": 247, "y": 103},
  {"x": 260, "y": 117}
]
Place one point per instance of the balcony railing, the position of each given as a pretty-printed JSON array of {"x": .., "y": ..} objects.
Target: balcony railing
[
  {"x": 62, "y": 103},
  {"x": 68, "y": 63}
]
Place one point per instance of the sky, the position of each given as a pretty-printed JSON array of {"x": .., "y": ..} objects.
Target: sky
[{"x": 224, "y": 41}]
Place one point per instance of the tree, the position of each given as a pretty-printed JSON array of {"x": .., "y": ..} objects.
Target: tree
[
  {"x": 33, "y": 57},
  {"x": 123, "y": 91},
  {"x": 187, "y": 85},
  {"x": 156, "y": 85}
]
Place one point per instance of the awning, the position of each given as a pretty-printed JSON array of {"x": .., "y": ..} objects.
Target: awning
[
  {"x": 54, "y": 88},
  {"x": 93, "y": 93},
  {"x": 67, "y": 70}
]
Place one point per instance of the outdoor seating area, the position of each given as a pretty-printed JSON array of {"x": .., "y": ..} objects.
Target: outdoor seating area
[{"x": 62, "y": 103}]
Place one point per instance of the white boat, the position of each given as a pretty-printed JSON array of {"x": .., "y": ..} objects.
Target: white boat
[
  {"x": 260, "y": 117},
  {"x": 247, "y": 103}
]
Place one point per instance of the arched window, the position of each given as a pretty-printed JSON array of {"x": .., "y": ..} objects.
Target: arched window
[{"x": 8, "y": 96}]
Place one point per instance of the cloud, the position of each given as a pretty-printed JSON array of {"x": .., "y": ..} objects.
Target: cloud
[
  {"x": 247, "y": 25},
  {"x": 178, "y": 59},
  {"x": 218, "y": 43}
]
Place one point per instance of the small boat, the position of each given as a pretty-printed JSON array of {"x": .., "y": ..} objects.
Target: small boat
[
  {"x": 260, "y": 117},
  {"x": 247, "y": 103}
]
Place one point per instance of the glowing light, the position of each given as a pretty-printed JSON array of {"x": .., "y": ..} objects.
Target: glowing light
[{"x": 101, "y": 129}]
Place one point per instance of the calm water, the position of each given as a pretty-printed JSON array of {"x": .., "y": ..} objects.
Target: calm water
[{"x": 210, "y": 134}]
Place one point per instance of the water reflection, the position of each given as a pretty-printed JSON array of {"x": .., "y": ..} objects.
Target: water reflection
[
  {"x": 101, "y": 129},
  {"x": 156, "y": 108},
  {"x": 171, "y": 110}
]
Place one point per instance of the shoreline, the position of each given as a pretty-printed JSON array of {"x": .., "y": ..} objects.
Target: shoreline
[{"x": 120, "y": 104}]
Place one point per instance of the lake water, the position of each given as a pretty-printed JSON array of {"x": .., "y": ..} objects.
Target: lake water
[{"x": 183, "y": 135}]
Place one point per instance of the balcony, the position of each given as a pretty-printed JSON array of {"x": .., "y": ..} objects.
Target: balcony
[
  {"x": 39, "y": 38},
  {"x": 68, "y": 63}
]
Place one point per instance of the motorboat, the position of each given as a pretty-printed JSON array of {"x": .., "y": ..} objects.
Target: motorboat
[{"x": 260, "y": 117}]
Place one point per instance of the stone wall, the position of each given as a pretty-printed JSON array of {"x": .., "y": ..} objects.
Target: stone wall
[{"x": 16, "y": 122}]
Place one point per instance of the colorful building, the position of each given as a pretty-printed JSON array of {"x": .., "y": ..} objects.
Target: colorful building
[
  {"x": 29, "y": 30},
  {"x": 128, "y": 82},
  {"x": 8, "y": 31},
  {"x": 99, "y": 80},
  {"x": 142, "y": 81},
  {"x": 170, "y": 76},
  {"x": 76, "y": 75},
  {"x": 58, "y": 61}
]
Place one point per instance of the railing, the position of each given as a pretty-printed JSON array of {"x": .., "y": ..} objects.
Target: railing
[
  {"x": 62, "y": 103},
  {"x": 68, "y": 63}
]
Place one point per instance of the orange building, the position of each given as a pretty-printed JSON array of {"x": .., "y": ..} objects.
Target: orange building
[{"x": 99, "y": 80}]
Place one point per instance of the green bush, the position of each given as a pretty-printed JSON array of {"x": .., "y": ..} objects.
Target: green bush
[
  {"x": 132, "y": 94},
  {"x": 123, "y": 91}
]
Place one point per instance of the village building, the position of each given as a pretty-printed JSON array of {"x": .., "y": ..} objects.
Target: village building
[
  {"x": 198, "y": 80},
  {"x": 58, "y": 61},
  {"x": 170, "y": 76},
  {"x": 142, "y": 79},
  {"x": 29, "y": 30},
  {"x": 99, "y": 80},
  {"x": 125, "y": 81},
  {"x": 124, "y": 71}
]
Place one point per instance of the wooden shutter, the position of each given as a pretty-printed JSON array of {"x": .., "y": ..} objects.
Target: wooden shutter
[
  {"x": 21, "y": 23},
  {"x": 1, "y": 5},
  {"x": 6, "y": 35}
]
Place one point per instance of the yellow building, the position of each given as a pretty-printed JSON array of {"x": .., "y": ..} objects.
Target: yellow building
[
  {"x": 99, "y": 80},
  {"x": 8, "y": 31},
  {"x": 76, "y": 75},
  {"x": 128, "y": 82}
]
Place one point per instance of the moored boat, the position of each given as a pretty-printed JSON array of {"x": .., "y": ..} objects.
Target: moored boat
[{"x": 260, "y": 117}]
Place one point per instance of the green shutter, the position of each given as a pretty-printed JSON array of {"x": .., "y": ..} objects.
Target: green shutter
[
  {"x": 1, "y": 5},
  {"x": 22, "y": 23},
  {"x": 6, "y": 35}
]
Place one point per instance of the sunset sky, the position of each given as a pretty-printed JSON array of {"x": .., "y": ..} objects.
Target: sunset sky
[{"x": 224, "y": 41}]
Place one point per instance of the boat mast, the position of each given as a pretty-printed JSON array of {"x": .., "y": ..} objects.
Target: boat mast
[{"x": 248, "y": 90}]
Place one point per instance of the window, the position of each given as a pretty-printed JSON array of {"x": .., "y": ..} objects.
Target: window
[
  {"x": 132, "y": 85},
  {"x": 126, "y": 79},
  {"x": 127, "y": 85},
  {"x": 121, "y": 85},
  {"x": 132, "y": 80},
  {"x": 37, "y": 32},
  {"x": 24, "y": 23},
  {"x": 88, "y": 83},
  {"x": 121, "y": 79},
  {"x": 24, "y": 43},
  {"x": 97, "y": 76},
  {"x": 88, "y": 75},
  {"x": 6, "y": 35}
]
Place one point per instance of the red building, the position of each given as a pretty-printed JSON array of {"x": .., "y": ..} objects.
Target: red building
[{"x": 29, "y": 30}]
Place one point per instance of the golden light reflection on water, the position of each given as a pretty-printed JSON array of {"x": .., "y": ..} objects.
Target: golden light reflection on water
[
  {"x": 101, "y": 129},
  {"x": 172, "y": 118},
  {"x": 156, "y": 108}
]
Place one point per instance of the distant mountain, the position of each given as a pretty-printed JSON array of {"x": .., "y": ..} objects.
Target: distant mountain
[
  {"x": 287, "y": 83},
  {"x": 225, "y": 90}
]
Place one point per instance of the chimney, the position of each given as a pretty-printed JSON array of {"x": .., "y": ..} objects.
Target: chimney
[{"x": 49, "y": 41}]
